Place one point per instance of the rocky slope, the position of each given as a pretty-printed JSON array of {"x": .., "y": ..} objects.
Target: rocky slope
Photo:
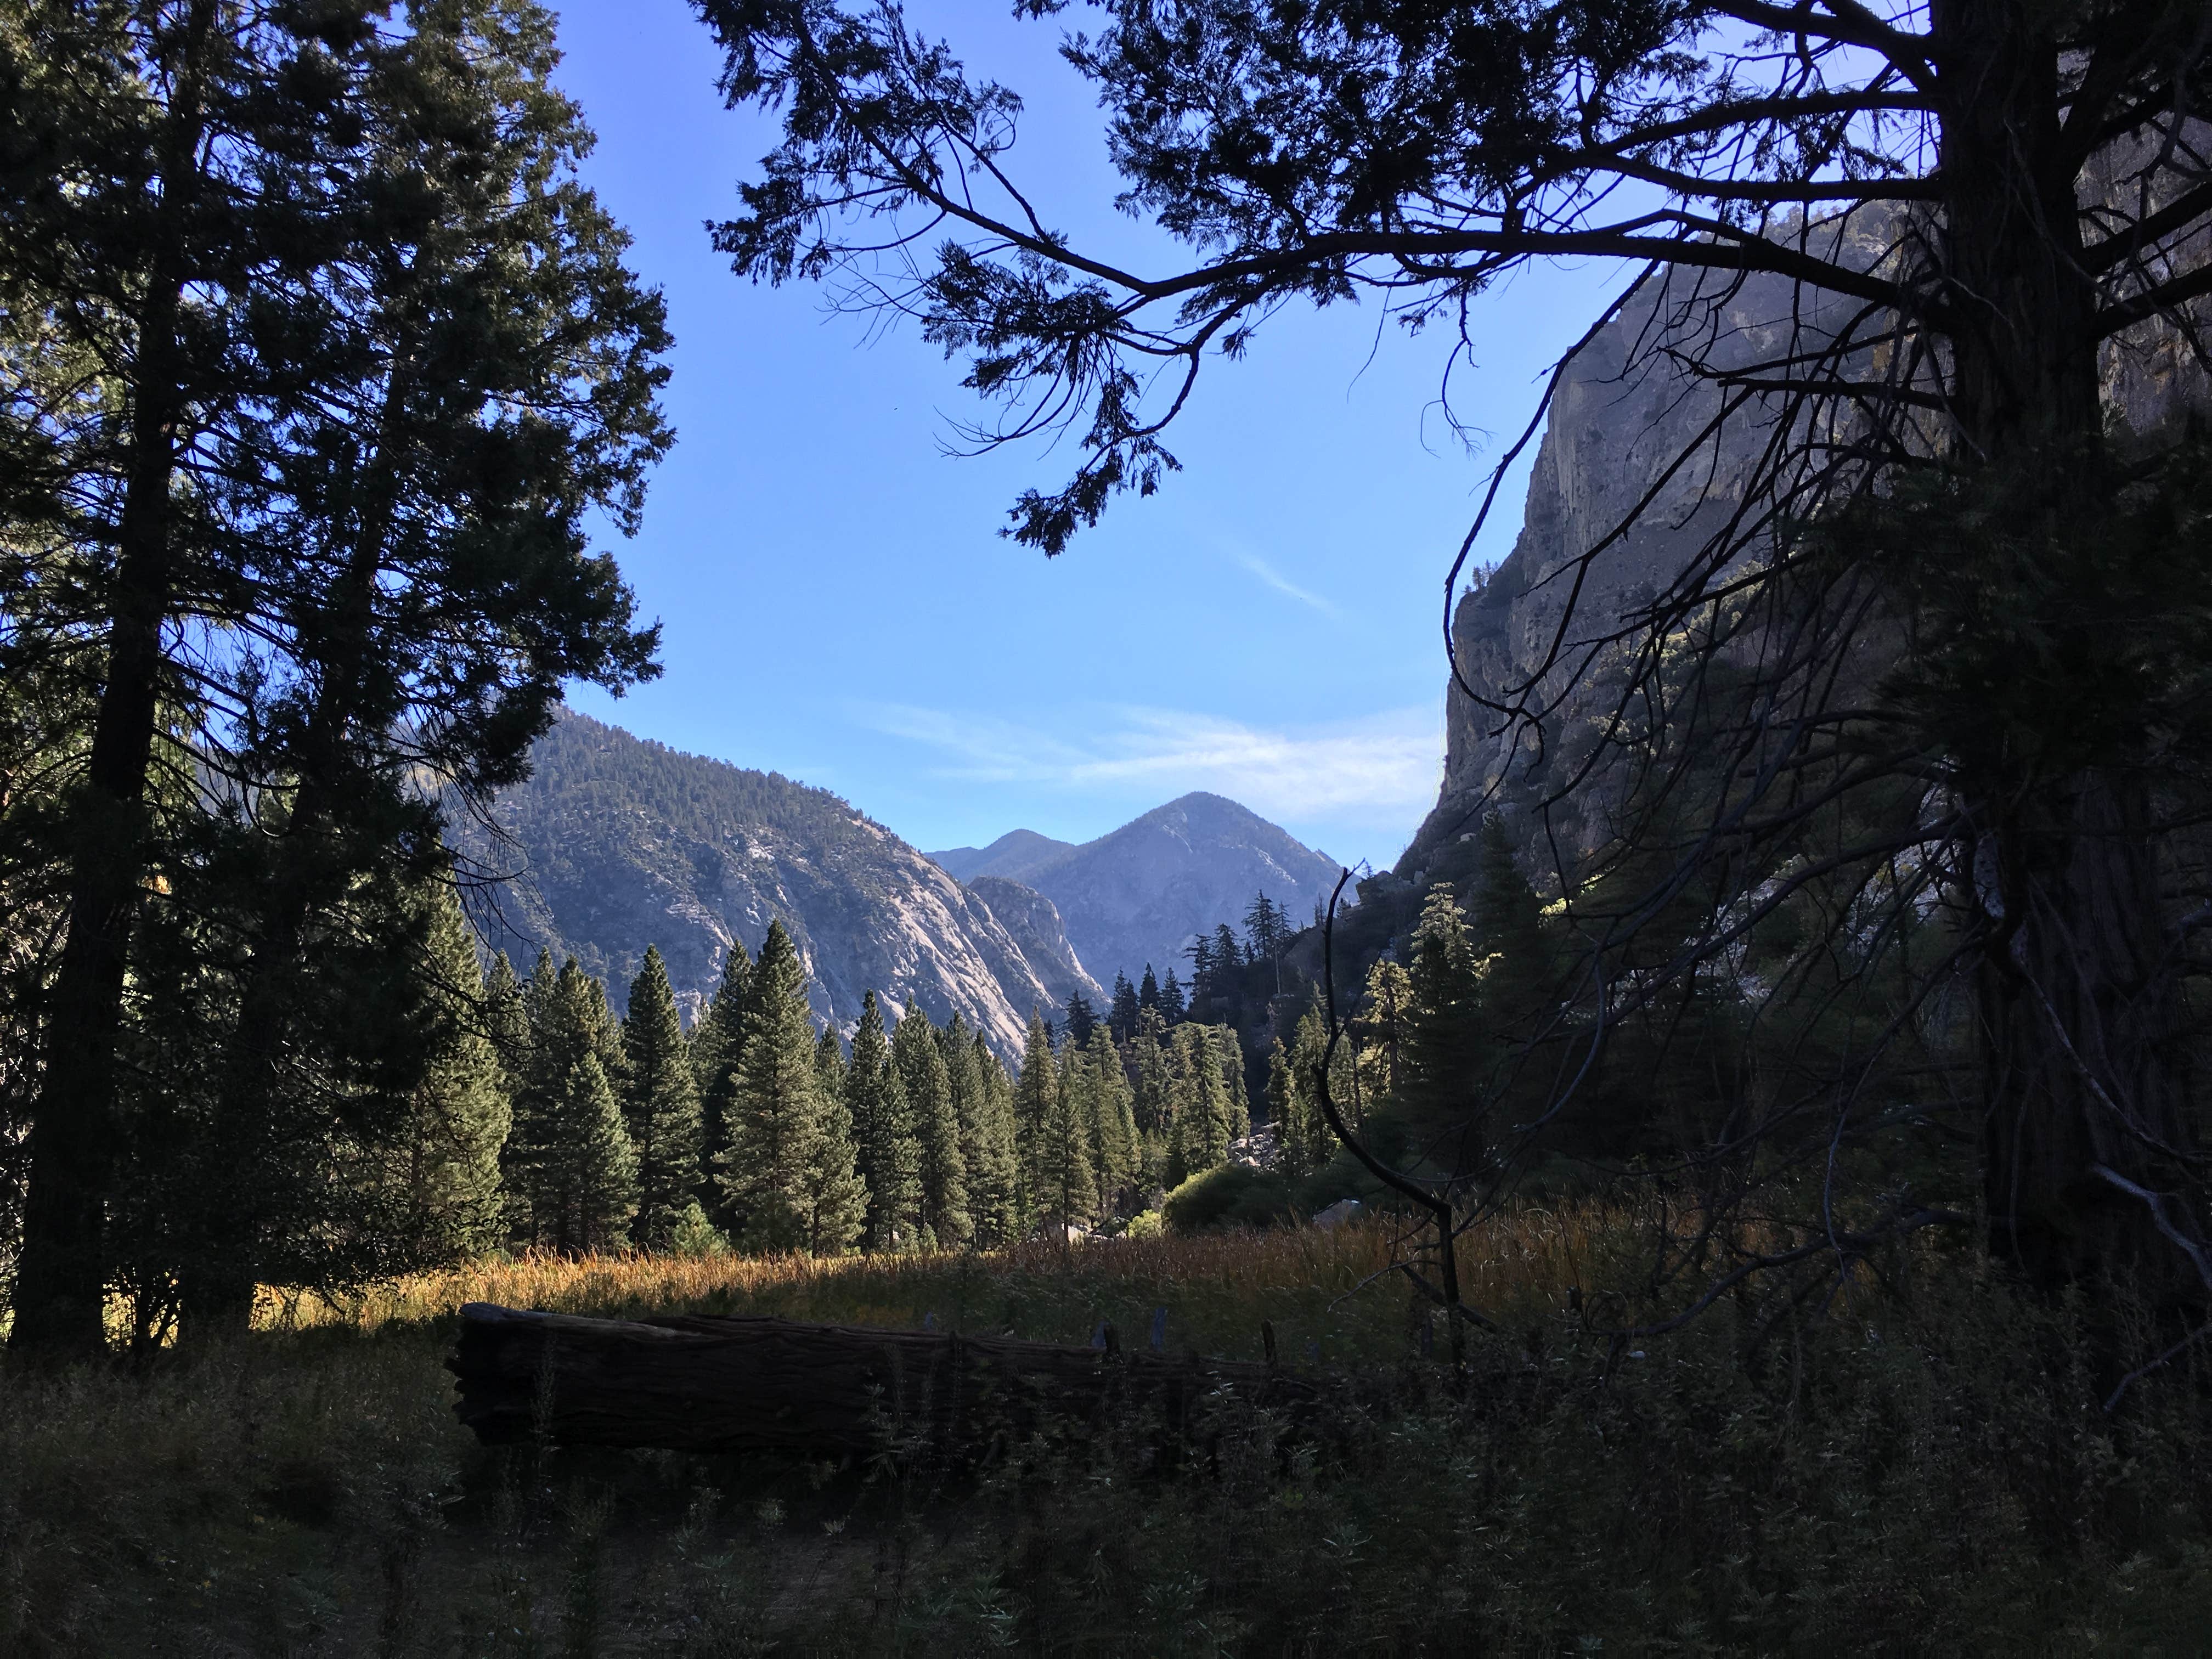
[
  {"x": 1137, "y": 895},
  {"x": 1624, "y": 411},
  {"x": 1035, "y": 927},
  {"x": 616, "y": 843}
]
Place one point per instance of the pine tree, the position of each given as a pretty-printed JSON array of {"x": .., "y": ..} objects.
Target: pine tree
[
  {"x": 1066, "y": 1184},
  {"x": 774, "y": 1108},
  {"x": 1284, "y": 1107},
  {"x": 661, "y": 1104},
  {"x": 888, "y": 1162},
  {"x": 1386, "y": 1018},
  {"x": 838, "y": 1197},
  {"x": 994, "y": 1191},
  {"x": 936, "y": 1129},
  {"x": 1202, "y": 974},
  {"x": 1508, "y": 937},
  {"x": 1172, "y": 1005},
  {"x": 718, "y": 1043},
  {"x": 1112, "y": 1122},
  {"x": 458, "y": 1115},
  {"x": 1152, "y": 1106},
  {"x": 1148, "y": 990},
  {"x": 1199, "y": 1132},
  {"x": 506, "y": 1024},
  {"x": 1440, "y": 1065},
  {"x": 569, "y": 1026},
  {"x": 308, "y": 267},
  {"x": 986, "y": 1147},
  {"x": 1122, "y": 1012},
  {"x": 1316, "y": 1142},
  {"x": 1228, "y": 958},
  {"x": 591, "y": 1178},
  {"x": 1231, "y": 1048},
  {"x": 1081, "y": 1020},
  {"x": 1033, "y": 1093}
]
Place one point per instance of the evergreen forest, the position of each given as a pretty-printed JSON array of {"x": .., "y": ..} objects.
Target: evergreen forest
[{"x": 1739, "y": 1184}]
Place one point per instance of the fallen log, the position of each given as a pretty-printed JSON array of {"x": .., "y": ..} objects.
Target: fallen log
[{"x": 702, "y": 1383}]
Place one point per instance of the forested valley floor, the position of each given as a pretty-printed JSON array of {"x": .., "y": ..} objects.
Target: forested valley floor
[{"x": 1923, "y": 1469}]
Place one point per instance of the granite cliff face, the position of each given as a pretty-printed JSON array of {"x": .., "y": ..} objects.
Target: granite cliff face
[
  {"x": 1624, "y": 411},
  {"x": 616, "y": 843},
  {"x": 1035, "y": 925},
  {"x": 1139, "y": 895}
]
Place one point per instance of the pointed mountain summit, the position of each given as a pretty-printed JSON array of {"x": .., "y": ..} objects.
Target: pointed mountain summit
[
  {"x": 1013, "y": 856},
  {"x": 1141, "y": 893}
]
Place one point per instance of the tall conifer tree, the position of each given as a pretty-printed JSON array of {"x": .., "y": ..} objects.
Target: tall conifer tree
[
  {"x": 1066, "y": 1184},
  {"x": 458, "y": 1115},
  {"x": 588, "y": 1179},
  {"x": 1122, "y": 1012},
  {"x": 717, "y": 1044},
  {"x": 837, "y": 1196},
  {"x": 1440, "y": 1066},
  {"x": 936, "y": 1129},
  {"x": 1034, "y": 1093},
  {"x": 889, "y": 1162},
  {"x": 1113, "y": 1120},
  {"x": 986, "y": 1151},
  {"x": 775, "y": 1107},
  {"x": 506, "y": 1023},
  {"x": 662, "y": 1105},
  {"x": 994, "y": 1190}
]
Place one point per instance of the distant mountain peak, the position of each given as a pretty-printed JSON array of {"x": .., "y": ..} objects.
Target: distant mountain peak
[
  {"x": 625, "y": 842},
  {"x": 1010, "y": 855},
  {"x": 1140, "y": 892}
]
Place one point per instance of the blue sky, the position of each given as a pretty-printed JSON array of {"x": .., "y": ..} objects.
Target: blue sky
[{"x": 836, "y": 603}]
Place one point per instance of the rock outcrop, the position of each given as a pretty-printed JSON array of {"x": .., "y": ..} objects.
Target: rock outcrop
[
  {"x": 1035, "y": 927},
  {"x": 616, "y": 844},
  {"x": 1625, "y": 410}
]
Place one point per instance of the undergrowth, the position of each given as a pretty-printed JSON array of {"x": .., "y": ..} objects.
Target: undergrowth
[{"x": 1929, "y": 1472}]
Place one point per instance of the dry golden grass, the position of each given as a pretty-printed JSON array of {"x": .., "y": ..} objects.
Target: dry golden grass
[
  {"x": 1316, "y": 1287},
  {"x": 1930, "y": 1473}
]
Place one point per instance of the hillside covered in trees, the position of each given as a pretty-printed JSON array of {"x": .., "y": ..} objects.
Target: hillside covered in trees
[{"x": 614, "y": 844}]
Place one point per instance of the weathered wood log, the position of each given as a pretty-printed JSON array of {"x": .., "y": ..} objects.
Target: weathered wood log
[{"x": 695, "y": 1382}]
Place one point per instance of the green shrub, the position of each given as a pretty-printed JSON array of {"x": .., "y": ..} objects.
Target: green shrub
[{"x": 1233, "y": 1195}]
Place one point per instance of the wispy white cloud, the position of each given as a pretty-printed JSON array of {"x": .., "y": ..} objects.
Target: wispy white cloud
[
  {"x": 1274, "y": 578},
  {"x": 1381, "y": 768}
]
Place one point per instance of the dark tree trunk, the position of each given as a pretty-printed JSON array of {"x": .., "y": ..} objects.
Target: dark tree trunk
[
  {"x": 2085, "y": 1085},
  {"x": 2089, "y": 1124},
  {"x": 62, "y": 1276},
  {"x": 310, "y": 862},
  {"x": 731, "y": 1385},
  {"x": 61, "y": 1282}
]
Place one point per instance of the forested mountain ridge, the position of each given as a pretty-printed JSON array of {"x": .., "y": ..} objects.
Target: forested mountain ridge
[
  {"x": 1140, "y": 894},
  {"x": 616, "y": 843}
]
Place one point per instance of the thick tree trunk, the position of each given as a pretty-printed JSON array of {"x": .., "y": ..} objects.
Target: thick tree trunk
[
  {"x": 2089, "y": 1127},
  {"x": 2085, "y": 1111},
  {"x": 61, "y": 1279},
  {"x": 61, "y": 1282},
  {"x": 310, "y": 865},
  {"x": 699, "y": 1384}
]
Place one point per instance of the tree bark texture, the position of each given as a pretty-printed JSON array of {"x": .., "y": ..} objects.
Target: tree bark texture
[
  {"x": 2085, "y": 1082},
  {"x": 62, "y": 1277},
  {"x": 705, "y": 1384}
]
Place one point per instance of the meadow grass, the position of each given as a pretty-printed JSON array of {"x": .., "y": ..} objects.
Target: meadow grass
[{"x": 1926, "y": 1472}]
